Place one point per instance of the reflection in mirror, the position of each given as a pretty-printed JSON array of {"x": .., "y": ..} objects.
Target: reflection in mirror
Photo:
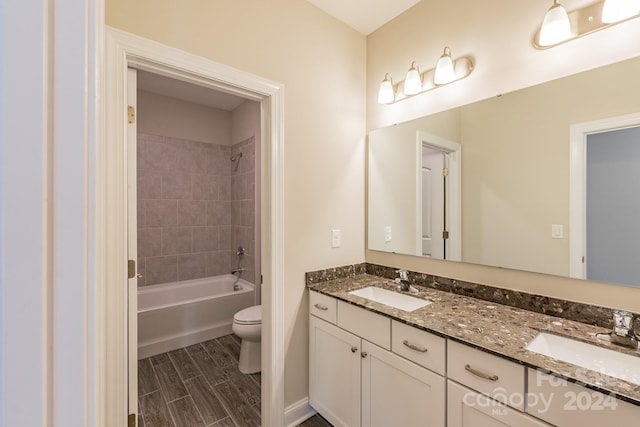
[{"x": 515, "y": 161}]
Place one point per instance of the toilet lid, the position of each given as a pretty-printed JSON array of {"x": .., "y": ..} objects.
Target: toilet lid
[{"x": 249, "y": 316}]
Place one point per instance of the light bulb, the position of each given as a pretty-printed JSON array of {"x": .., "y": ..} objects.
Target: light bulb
[
  {"x": 386, "y": 95},
  {"x": 618, "y": 10},
  {"x": 555, "y": 26},
  {"x": 413, "y": 82},
  {"x": 445, "y": 72}
]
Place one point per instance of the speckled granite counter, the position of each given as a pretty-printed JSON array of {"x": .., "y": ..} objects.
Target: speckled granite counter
[{"x": 495, "y": 328}]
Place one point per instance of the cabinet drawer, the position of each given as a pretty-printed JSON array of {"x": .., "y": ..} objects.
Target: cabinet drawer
[
  {"x": 366, "y": 324},
  {"x": 486, "y": 373},
  {"x": 566, "y": 404},
  {"x": 421, "y": 347},
  {"x": 322, "y": 306}
]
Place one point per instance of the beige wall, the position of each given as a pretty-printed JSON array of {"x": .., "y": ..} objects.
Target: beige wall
[
  {"x": 497, "y": 35},
  {"x": 321, "y": 63},
  {"x": 163, "y": 115},
  {"x": 500, "y": 44}
]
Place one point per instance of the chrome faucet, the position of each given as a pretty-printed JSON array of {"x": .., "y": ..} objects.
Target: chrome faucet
[
  {"x": 403, "y": 282},
  {"x": 623, "y": 333}
]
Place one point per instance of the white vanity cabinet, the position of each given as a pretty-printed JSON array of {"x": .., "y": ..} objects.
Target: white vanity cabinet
[
  {"x": 484, "y": 389},
  {"x": 466, "y": 408},
  {"x": 334, "y": 373},
  {"x": 355, "y": 381},
  {"x": 396, "y": 392},
  {"x": 565, "y": 404}
]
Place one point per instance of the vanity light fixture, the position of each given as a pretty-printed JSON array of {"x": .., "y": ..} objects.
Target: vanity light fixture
[
  {"x": 560, "y": 26},
  {"x": 386, "y": 94},
  {"x": 446, "y": 71},
  {"x": 413, "y": 81}
]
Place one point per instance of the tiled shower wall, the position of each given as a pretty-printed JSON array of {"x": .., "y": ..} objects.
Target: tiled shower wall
[
  {"x": 193, "y": 209},
  {"x": 243, "y": 195}
]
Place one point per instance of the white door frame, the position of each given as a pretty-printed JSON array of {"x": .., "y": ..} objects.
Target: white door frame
[
  {"x": 454, "y": 199},
  {"x": 125, "y": 50},
  {"x": 577, "y": 184}
]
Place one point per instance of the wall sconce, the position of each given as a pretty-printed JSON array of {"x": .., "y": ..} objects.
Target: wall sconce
[
  {"x": 559, "y": 26},
  {"x": 446, "y": 71}
]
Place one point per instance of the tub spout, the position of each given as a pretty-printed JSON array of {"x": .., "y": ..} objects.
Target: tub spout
[{"x": 237, "y": 271}]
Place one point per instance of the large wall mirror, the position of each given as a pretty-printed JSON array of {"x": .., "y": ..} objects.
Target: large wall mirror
[{"x": 497, "y": 174}]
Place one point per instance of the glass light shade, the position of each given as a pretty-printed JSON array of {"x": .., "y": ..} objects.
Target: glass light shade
[
  {"x": 445, "y": 73},
  {"x": 555, "y": 26},
  {"x": 413, "y": 82},
  {"x": 386, "y": 95},
  {"x": 618, "y": 10}
]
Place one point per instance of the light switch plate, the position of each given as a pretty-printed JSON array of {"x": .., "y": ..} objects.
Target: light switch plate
[
  {"x": 335, "y": 238},
  {"x": 557, "y": 231}
]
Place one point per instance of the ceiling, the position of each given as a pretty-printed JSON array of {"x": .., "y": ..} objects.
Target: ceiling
[{"x": 365, "y": 16}]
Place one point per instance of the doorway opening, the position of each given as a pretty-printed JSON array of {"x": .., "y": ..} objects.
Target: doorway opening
[
  {"x": 124, "y": 51},
  {"x": 197, "y": 240},
  {"x": 604, "y": 157}
]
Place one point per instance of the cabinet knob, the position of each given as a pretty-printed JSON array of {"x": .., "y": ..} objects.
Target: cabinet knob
[
  {"x": 363, "y": 354},
  {"x": 354, "y": 349}
]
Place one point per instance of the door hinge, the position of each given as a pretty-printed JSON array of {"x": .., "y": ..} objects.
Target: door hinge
[
  {"x": 131, "y": 420},
  {"x": 131, "y": 115},
  {"x": 445, "y": 234},
  {"x": 445, "y": 171},
  {"x": 131, "y": 269}
]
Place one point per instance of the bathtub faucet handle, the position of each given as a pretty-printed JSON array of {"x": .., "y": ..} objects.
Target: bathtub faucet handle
[{"x": 240, "y": 252}]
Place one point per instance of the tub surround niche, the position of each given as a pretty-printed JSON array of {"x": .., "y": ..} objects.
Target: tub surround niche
[
  {"x": 570, "y": 310},
  {"x": 496, "y": 329}
]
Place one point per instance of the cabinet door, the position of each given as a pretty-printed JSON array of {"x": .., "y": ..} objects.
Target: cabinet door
[
  {"x": 334, "y": 373},
  {"x": 566, "y": 404},
  {"x": 466, "y": 408},
  {"x": 396, "y": 392}
]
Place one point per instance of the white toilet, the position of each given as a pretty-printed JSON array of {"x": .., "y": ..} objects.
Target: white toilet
[{"x": 247, "y": 324}]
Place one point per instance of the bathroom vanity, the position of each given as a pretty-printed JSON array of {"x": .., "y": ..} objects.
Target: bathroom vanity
[{"x": 457, "y": 361}]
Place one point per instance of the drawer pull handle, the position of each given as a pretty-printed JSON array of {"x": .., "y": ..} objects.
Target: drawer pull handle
[
  {"x": 481, "y": 374},
  {"x": 354, "y": 349},
  {"x": 321, "y": 307},
  {"x": 414, "y": 347}
]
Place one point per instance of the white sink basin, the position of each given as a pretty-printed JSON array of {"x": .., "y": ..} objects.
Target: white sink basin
[
  {"x": 393, "y": 299},
  {"x": 609, "y": 362}
]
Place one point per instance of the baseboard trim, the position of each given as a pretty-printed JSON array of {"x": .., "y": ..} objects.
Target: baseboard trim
[{"x": 298, "y": 412}]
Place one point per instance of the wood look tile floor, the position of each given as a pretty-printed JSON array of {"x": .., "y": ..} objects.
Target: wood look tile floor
[{"x": 200, "y": 386}]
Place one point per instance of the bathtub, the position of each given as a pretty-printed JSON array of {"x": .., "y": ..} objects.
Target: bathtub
[{"x": 175, "y": 315}]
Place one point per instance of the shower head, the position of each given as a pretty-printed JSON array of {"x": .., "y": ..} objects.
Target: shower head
[{"x": 236, "y": 157}]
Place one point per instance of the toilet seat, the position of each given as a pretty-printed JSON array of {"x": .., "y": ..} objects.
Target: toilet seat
[{"x": 249, "y": 316}]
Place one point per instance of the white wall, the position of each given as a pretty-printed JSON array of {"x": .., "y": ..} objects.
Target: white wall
[
  {"x": 498, "y": 36},
  {"x": 321, "y": 63}
]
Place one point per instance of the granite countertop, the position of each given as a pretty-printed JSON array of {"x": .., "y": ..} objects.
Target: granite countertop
[{"x": 495, "y": 328}]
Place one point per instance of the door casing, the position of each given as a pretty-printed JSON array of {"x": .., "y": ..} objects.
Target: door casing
[{"x": 123, "y": 51}]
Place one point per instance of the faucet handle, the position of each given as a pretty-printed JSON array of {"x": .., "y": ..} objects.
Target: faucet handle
[{"x": 404, "y": 274}]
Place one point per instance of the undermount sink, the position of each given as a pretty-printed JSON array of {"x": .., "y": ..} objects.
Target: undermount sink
[
  {"x": 609, "y": 362},
  {"x": 390, "y": 298}
]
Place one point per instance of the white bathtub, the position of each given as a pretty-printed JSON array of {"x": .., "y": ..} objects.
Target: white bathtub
[{"x": 175, "y": 315}]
